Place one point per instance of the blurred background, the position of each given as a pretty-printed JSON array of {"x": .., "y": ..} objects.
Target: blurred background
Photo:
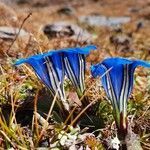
[{"x": 116, "y": 27}]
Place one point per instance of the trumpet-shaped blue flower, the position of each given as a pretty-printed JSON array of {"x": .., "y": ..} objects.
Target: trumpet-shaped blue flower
[
  {"x": 52, "y": 66},
  {"x": 75, "y": 66},
  {"x": 117, "y": 80},
  {"x": 50, "y": 70}
]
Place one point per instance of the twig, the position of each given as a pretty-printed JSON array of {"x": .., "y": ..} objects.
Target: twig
[
  {"x": 83, "y": 98},
  {"x": 49, "y": 114},
  {"x": 35, "y": 116},
  {"x": 19, "y": 31},
  {"x": 89, "y": 105},
  {"x": 8, "y": 139}
]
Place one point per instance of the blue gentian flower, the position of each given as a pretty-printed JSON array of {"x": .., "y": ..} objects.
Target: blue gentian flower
[
  {"x": 50, "y": 70},
  {"x": 117, "y": 80},
  {"x": 52, "y": 66},
  {"x": 74, "y": 62}
]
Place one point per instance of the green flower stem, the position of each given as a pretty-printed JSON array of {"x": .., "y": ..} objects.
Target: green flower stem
[{"x": 122, "y": 126}]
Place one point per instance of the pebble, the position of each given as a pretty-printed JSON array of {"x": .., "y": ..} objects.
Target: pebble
[
  {"x": 66, "y": 29},
  {"x": 9, "y": 33},
  {"x": 98, "y": 20},
  {"x": 66, "y": 10}
]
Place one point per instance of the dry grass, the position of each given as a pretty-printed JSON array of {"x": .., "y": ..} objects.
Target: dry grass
[{"x": 29, "y": 116}]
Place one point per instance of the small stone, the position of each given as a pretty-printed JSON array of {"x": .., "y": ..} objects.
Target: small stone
[
  {"x": 25, "y": 43},
  {"x": 120, "y": 39},
  {"x": 66, "y": 29},
  {"x": 133, "y": 142},
  {"x": 66, "y": 10},
  {"x": 115, "y": 143},
  {"x": 134, "y": 10},
  {"x": 43, "y": 148},
  {"x": 98, "y": 20},
  {"x": 22, "y": 1},
  {"x": 9, "y": 33}
]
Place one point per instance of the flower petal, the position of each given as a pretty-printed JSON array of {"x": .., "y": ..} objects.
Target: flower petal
[
  {"x": 75, "y": 70},
  {"x": 120, "y": 76},
  {"x": 80, "y": 50},
  {"x": 118, "y": 84},
  {"x": 74, "y": 60},
  {"x": 50, "y": 71},
  {"x": 38, "y": 63}
]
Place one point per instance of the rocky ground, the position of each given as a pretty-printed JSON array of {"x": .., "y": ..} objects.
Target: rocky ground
[
  {"x": 94, "y": 20},
  {"x": 118, "y": 28}
]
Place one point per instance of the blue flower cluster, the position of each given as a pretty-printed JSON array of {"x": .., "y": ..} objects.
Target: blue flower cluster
[
  {"x": 51, "y": 68},
  {"x": 117, "y": 75}
]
